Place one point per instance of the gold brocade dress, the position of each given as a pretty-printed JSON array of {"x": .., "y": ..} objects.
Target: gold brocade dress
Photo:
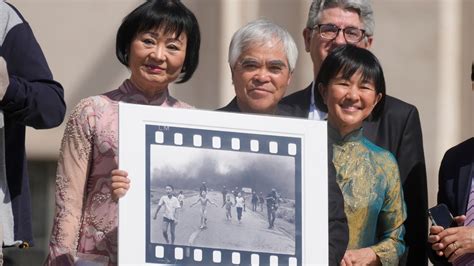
[{"x": 373, "y": 200}]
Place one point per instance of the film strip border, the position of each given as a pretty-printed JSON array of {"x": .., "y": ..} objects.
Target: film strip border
[
  {"x": 223, "y": 140},
  {"x": 232, "y": 141},
  {"x": 185, "y": 255}
]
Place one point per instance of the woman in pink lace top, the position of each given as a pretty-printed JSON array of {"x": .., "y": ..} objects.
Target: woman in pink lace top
[{"x": 159, "y": 42}]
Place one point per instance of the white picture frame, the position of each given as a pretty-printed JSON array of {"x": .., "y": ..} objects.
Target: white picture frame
[{"x": 185, "y": 147}]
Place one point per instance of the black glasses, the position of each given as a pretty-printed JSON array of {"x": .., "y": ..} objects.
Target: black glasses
[{"x": 330, "y": 32}]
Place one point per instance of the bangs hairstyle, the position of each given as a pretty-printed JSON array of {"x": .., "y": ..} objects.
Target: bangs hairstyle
[
  {"x": 347, "y": 60},
  {"x": 171, "y": 16}
]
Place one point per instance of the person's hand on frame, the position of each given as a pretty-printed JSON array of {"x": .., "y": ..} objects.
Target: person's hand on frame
[{"x": 120, "y": 183}]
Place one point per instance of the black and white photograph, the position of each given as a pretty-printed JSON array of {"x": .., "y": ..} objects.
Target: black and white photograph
[
  {"x": 222, "y": 199},
  {"x": 229, "y": 194}
]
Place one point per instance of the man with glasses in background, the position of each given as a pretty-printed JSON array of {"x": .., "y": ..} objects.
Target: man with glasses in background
[{"x": 332, "y": 23}]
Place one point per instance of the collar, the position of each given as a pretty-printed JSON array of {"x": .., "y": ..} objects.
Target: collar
[
  {"x": 314, "y": 112},
  {"x": 337, "y": 139},
  {"x": 134, "y": 94}
]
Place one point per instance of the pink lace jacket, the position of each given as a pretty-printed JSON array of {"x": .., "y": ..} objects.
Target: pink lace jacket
[{"x": 85, "y": 223}]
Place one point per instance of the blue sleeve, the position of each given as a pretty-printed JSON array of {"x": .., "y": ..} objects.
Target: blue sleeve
[{"x": 33, "y": 98}]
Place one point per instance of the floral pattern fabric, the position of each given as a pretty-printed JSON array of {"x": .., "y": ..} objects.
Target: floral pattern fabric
[
  {"x": 85, "y": 223},
  {"x": 373, "y": 200}
]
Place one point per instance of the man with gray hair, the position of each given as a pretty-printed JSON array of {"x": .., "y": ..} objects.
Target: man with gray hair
[
  {"x": 332, "y": 23},
  {"x": 262, "y": 58}
]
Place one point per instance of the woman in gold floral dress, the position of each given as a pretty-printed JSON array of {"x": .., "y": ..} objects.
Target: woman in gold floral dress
[{"x": 352, "y": 85}]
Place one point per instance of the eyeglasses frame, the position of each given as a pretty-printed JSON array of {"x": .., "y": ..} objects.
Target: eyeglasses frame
[{"x": 317, "y": 28}]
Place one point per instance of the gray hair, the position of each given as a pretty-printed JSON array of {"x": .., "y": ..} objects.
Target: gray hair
[
  {"x": 362, "y": 7},
  {"x": 262, "y": 31}
]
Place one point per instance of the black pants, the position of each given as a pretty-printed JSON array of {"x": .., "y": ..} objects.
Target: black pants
[
  {"x": 239, "y": 213},
  {"x": 271, "y": 212}
]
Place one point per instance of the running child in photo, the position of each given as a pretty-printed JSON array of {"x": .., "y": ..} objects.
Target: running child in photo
[
  {"x": 203, "y": 200},
  {"x": 170, "y": 204},
  {"x": 228, "y": 204},
  {"x": 181, "y": 199},
  {"x": 239, "y": 206}
]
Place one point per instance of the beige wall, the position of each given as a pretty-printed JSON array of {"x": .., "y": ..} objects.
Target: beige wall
[{"x": 425, "y": 46}]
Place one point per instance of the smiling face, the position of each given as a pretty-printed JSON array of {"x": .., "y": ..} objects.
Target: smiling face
[
  {"x": 319, "y": 47},
  {"x": 156, "y": 59},
  {"x": 349, "y": 102},
  {"x": 261, "y": 76}
]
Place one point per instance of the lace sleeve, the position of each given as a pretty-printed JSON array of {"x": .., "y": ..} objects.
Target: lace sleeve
[{"x": 71, "y": 178}]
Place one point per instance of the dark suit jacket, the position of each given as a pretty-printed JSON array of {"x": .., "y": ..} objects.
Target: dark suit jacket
[
  {"x": 398, "y": 130},
  {"x": 454, "y": 183},
  {"x": 234, "y": 107},
  {"x": 338, "y": 229}
]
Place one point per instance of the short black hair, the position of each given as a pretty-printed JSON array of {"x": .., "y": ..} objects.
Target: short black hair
[
  {"x": 171, "y": 16},
  {"x": 172, "y": 188},
  {"x": 347, "y": 60}
]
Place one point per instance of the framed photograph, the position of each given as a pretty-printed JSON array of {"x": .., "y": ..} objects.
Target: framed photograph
[{"x": 212, "y": 187}]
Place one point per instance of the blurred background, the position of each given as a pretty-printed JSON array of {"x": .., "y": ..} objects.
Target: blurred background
[{"x": 425, "y": 46}]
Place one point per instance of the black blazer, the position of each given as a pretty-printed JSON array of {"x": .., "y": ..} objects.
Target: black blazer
[
  {"x": 232, "y": 106},
  {"x": 338, "y": 229},
  {"x": 454, "y": 183},
  {"x": 398, "y": 130}
]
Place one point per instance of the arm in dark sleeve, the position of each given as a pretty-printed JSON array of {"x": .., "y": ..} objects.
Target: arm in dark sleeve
[
  {"x": 338, "y": 229},
  {"x": 413, "y": 176},
  {"x": 442, "y": 198},
  {"x": 443, "y": 175},
  {"x": 33, "y": 98}
]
